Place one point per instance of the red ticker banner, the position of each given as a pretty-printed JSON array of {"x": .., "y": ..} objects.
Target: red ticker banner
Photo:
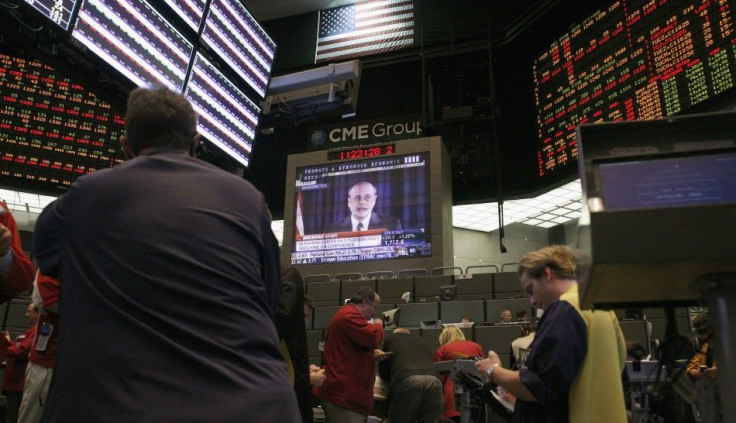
[{"x": 633, "y": 60}]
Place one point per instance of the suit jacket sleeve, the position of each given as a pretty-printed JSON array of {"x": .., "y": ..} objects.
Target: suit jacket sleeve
[
  {"x": 270, "y": 264},
  {"x": 49, "y": 235}
]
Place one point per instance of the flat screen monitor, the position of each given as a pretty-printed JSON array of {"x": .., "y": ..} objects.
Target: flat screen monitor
[
  {"x": 227, "y": 118},
  {"x": 377, "y": 208},
  {"x": 237, "y": 38},
  {"x": 57, "y": 11},
  {"x": 52, "y": 129},
  {"x": 135, "y": 40},
  {"x": 448, "y": 292},
  {"x": 695, "y": 180},
  {"x": 190, "y": 11},
  {"x": 391, "y": 318},
  {"x": 658, "y": 208},
  {"x": 393, "y": 193}
]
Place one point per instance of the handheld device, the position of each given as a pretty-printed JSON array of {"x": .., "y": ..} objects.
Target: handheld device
[{"x": 44, "y": 334}]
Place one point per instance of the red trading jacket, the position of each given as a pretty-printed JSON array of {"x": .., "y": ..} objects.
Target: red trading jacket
[
  {"x": 348, "y": 360},
  {"x": 16, "y": 359},
  {"x": 20, "y": 276},
  {"x": 452, "y": 351}
]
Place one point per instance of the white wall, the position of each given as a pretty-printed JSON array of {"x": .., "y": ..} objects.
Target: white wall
[{"x": 474, "y": 248}]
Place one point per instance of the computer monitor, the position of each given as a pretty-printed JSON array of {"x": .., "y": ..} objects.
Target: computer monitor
[
  {"x": 391, "y": 318},
  {"x": 652, "y": 194},
  {"x": 448, "y": 292}
]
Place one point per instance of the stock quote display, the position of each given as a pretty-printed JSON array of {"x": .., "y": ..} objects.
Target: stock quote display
[
  {"x": 52, "y": 130},
  {"x": 633, "y": 60}
]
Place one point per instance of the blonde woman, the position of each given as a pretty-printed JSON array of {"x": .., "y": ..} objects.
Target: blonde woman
[{"x": 453, "y": 345}]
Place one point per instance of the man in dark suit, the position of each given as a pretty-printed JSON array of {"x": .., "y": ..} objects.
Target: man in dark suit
[
  {"x": 362, "y": 198},
  {"x": 169, "y": 278}
]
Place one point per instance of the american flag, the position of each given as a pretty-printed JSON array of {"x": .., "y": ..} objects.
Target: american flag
[{"x": 370, "y": 27}]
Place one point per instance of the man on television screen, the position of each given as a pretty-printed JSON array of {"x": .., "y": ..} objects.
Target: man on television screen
[{"x": 361, "y": 200}]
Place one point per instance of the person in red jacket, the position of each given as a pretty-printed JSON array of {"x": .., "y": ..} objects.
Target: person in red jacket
[
  {"x": 16, "y": 269},
  {"x": 349, "y": 362},
  {"x": 16, "y": 359},
  {"x": 453, "y": 345}
]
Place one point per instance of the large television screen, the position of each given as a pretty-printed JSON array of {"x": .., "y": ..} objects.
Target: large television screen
[
  {"x": 52, "y": 129},
  {"x": 372, "y": 209},
  {"x": 227, "y": 118},
  {"x": 134, "y": 39},
  {"x": 232, "y": 32},
  {"x": 380, "y": 207}
]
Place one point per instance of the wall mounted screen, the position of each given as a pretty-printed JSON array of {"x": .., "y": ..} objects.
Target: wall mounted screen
[
  {"x": 52, "y": 130},
  {"x": 235, "y": 36},
  {"x": 631, "y": 61},
  {"x": 227, "y": 117},
  {"x": 398, "y": 199},
  {"x": 136, "y": 40},
  {"x": 191, "y": 11},
  {"x": 59, "y": 11}
]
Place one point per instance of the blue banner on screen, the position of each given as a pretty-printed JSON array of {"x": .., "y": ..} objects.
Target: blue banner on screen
[
  {"x": 363, "y": 210},
  {"x": 370, "y": 27}
]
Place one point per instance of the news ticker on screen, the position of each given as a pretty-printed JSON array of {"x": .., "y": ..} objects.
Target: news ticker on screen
[{"x": 375, "y": 244}]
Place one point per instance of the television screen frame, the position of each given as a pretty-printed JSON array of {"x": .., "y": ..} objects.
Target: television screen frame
[
  {"x": 666, "y": 247},
  {"x": 438, "y": 220},
  {"x": 399, "y": 224}
]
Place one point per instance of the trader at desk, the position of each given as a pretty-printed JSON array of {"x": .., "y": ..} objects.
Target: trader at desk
[{"x": 361, "y": 200}]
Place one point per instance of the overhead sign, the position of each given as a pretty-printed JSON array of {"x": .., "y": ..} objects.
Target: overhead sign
[{"x": 357, "y": 133}]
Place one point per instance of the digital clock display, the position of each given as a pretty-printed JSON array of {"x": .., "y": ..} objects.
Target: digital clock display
[{"x": 362, "y": 152}]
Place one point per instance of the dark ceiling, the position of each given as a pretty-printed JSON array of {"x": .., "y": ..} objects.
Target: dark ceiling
[{"x": 459, "y": 43}]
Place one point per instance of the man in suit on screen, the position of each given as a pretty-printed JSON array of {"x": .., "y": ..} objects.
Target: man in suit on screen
[{"x": 362, "y": 198}]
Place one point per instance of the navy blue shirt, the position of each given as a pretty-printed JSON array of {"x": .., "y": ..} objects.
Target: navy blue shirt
[
  {"x": 169, "y": 276},
  {"x": 555, "y": 357}
]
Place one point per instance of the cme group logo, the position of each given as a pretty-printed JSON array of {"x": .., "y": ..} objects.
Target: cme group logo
[{"x": 318, "y": 138}]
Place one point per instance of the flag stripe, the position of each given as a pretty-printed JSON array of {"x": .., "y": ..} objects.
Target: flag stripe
[
  {"x": 373, "y": 35},
  {"x": 367, "y": 28},
  {"x": 368, "y": 45}
]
